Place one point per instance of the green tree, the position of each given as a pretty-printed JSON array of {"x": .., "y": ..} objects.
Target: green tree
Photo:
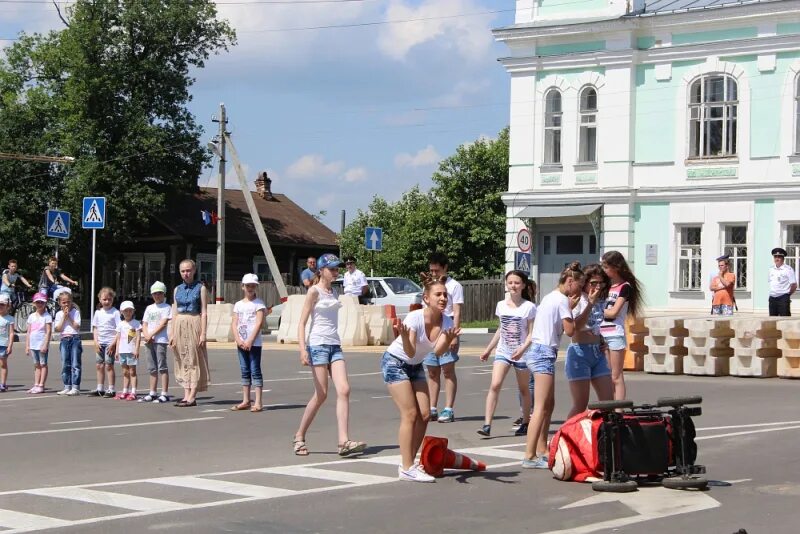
[
  {"x": 111, "y": 89},
  {"x": 462, "y": 215}
]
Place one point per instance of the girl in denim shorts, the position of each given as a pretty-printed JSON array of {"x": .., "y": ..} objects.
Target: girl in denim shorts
[
  {"x": 553, "y": 317},
  {"x": 321, "y": 349},
  {"x": 586, "y": 359},
  {"x": 422, "y": 332},
  {"x": 623, "y": 298}
]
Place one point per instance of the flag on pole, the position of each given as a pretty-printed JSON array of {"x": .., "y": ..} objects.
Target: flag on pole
[{"x": 206, "y": 217}]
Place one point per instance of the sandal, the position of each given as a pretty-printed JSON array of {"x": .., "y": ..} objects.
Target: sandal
[
  {"x": 300, "y": 448},
  {"x": 351, "y": 447},
  {"x": 257, "y": 409},
  {"x": 240, "y": 407}
]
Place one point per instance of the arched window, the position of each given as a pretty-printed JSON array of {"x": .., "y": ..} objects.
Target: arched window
[
  {"x": 797, "y": 115},
  {"x": 587, "y": 141},
  {"x": 552, "y": 127},
  {"x": 713, "y": 105}
]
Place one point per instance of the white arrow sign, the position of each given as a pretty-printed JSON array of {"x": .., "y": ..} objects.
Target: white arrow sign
[
  {"x": 374, "y": 240},
  {"x": 648, "y": 503}
]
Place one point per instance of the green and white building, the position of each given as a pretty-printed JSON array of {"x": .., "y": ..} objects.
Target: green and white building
[{"x": 668, "y": 130}]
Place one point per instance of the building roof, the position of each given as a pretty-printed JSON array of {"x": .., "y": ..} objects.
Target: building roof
[
  {"x": 663, "y": 7},
  {"x": 284, "y": 221}
]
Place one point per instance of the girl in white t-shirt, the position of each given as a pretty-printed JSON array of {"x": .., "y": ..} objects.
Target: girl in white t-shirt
[
  {"x": 37, "y": 342},
  {"x": 553, "y": 318},
  {"x": 68, "y": 324},
  {"x": 623, "y": 298},
  {"x": 248, "y": 318},
  {"x": 512, "y": 339},
  {"x": 422, "y": 332},
  {"x": 322, "y": 350}
]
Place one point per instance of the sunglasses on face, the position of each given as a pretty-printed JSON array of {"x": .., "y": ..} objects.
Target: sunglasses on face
[{"x": 596, "y": 283}]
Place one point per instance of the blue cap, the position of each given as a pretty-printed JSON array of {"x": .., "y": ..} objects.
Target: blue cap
[{"x": 328, "y": 260}]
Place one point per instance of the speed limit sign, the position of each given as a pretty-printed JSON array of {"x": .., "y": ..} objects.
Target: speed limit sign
[{"x": 524, "y": 240}]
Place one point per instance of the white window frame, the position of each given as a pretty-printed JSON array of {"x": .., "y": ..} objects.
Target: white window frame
[
  {"x": 793, "y": 249},
  {"x": 797, "y": 115},
  {"x": 262, "y": 260},
  {"x": 211, "y": 258},
  {"x": 694, "y": 257},
  {"x": 548, "y": 153},
  {"x": 587, "y": 119},
  {"x": 135, "y": 290},
  {"x": 735, "y": 258},
  {"x": 700, "y": 111}
]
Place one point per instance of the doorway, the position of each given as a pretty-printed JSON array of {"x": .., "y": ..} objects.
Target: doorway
[{"x": 560, "y": 248}]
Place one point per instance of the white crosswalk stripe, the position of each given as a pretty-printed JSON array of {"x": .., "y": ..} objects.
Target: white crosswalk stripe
[{"x": 229, "y": 492}]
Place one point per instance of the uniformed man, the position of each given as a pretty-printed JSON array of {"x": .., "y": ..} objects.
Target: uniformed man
[{"x": 782, "y": 283}]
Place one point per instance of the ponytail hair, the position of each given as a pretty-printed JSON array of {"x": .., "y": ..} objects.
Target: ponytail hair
[
  {"x": 528, "y": 285},
  {"x": 616, "y": 260},
  {"x": 428, "y": 281},
  {"x": 573, "y": 270}
]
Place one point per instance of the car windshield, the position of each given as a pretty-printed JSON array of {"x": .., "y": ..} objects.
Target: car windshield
[{"x": 402, "y": 286}]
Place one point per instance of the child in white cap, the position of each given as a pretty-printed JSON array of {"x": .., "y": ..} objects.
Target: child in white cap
[
  {"x": 156, "y": 339},
  {"x": 37, "y": 342},
  {"x": 128, "y": 339},
  {"x": 248, "y": 318}
]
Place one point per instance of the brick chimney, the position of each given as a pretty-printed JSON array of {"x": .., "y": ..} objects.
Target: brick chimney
[{"x": 264, "y": 186}]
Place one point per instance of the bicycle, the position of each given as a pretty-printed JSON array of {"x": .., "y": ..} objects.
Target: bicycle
[{"x": 20, "y": 310}]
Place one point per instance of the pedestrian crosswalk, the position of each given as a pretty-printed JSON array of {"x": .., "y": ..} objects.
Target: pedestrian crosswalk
[{"x": 66, "y": 506}]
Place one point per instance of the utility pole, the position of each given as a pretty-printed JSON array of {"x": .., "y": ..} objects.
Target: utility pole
[{"x": 223, "y": 120}]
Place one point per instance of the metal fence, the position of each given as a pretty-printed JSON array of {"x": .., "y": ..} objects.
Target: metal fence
[
  {"x": 480, "y": 299},
  {"x": 267, "y": 291}
]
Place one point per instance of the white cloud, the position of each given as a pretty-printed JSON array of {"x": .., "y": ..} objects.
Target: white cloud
[
  {"x": 426, "y": 156},
  {"x": 356, "y": 174},
  {"x": 313, "y": 165},
  {"x": 463, "y": 93},
  {"x": 452, "y": 20}
]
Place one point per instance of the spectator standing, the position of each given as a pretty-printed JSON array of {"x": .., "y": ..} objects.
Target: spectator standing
[
  {"x": 104, "y": 331},
  {"x": 782, "y": 284},
  {"x": 355, "y": 283},
  {"x": 156, "y": 339},
  {"x": 722, "y": 284},
  {"x": 68, "y": 326},
  {"x": 307, "y": 276},
  {"x": 246, "y": 323},
  {"x": 37, "y": 342},
  {"x": 129, "y": 337}
]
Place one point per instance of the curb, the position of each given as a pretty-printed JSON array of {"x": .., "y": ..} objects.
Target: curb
[{"x": 478, "y": 330}]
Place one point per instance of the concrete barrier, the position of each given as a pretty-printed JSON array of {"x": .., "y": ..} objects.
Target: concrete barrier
[
  {"x": 379, "y": 325},
  {"x": 665, "y": 348},
  {"x": 352, "y": 322},
  {"x": 789, "y": 343},
  {"x": 637, "y": 348},
  {"x": 290, "y": 319},
  {"x": 218, "y": 326},
  {"x": 755, "y": 347},
  {"x": 708, "y": 346}
]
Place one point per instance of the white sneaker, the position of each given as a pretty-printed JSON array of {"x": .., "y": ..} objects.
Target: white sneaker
[
  {"x": 64, "y": 391},
  {"x": 73, "y": 392},
  {"x": 415, "y": 473}
]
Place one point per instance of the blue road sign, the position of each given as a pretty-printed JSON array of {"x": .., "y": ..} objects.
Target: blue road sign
[
  {"x": 522, "y": 261},
  {"x": 94, "y": 213},
  {"x": 57, "y": 224},
  {"x": 373, "y": 238}
]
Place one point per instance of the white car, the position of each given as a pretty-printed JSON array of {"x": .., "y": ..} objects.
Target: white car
[{"x": 399, "y": 291}]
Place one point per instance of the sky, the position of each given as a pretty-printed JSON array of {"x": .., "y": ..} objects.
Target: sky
[{"x": 342, "y": 100}]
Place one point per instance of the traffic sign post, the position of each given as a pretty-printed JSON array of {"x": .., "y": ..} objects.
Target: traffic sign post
[
  {"x": 373, "y": 241},
  {"x": 57, "y": 224},
  {"x": 522, "y": 261},
  {"x": 524, "y": 240},
  {"x": 93, "y": 217}
]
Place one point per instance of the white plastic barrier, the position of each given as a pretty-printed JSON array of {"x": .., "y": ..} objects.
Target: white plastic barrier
[
  {"x": 290, "y": 319},
  {"x": 708, "y": 346},
  {"x": 218, "y": 326},
  {"x": 665, "y": 349},
  {"x": 789, "y": 343},
  {"x": 352, "y": 322},
  {"x": 755, "y": 347},
  {"x": 379, "y": 326}
]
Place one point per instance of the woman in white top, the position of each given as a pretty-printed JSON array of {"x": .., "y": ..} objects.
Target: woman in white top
[
  {"x": 422, "y": 332},
  {"x": 321, "y": 349},
  {"x": 512, "y": 339},
  {"x": 553, "y": 318}
]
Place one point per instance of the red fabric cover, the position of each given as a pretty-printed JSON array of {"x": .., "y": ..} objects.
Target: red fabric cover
[{"x": 573, "y": 449}]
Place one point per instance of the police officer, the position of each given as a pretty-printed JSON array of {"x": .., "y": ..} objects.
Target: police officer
[{"x": 782, "y": 283}]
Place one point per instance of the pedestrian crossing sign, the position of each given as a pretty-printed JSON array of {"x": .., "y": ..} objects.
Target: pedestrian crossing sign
[
  {"x": 94, "y": 213},
  {"x": 522, "y": 261},
  {"x": 57, "y": 224}
]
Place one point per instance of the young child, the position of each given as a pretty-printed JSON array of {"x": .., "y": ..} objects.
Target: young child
[
  {"x": 516, "y": 314},
  {"x": 553, "y": 318},
  {"x": 623, "y": 298},
  {"x": 37, "y": 342},
  {"x": 68, "y": 325},
  {"x": 6, "y": 339},
  {"x": 127, "y": 354},
  {"x": 104, "y": 331},
  {"x": 156, "y": 339},
  {"x": 248, "y": 318}
]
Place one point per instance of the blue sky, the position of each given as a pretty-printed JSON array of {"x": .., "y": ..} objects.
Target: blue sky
[{"x": 338, "y": 115}]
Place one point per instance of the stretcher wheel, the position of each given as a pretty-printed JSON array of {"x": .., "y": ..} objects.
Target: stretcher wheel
[
  {"x": 615, "y": 487},
  {"x": 610, "y": 405},
  {"x": 678, "y": 401},
  {"x": 685, "y": 483}
]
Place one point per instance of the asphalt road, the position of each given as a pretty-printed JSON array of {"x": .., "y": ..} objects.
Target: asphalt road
[{"x": 98, "y": 465}]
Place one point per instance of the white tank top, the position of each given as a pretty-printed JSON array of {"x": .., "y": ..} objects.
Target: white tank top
[{"x": 325, "y": 320}]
